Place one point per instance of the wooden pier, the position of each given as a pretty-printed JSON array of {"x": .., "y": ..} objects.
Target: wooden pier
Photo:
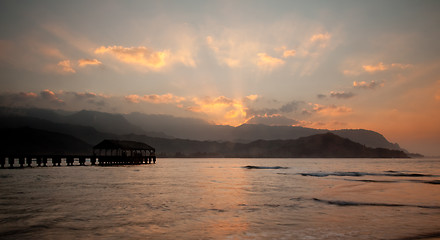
[{"x": 106, "y": 153}]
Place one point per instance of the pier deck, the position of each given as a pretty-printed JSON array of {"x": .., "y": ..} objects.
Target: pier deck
[
  {"x": 21, "y": 161},
  {"x": 107, "y": 152}
]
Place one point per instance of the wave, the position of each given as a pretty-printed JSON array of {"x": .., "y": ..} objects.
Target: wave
[
  {"x": 361, "y": 174},
  {"x": 263, "y": 167},
  {"x": 432, "y": 235},
  {"x": 396, "y": 181},
  {"x": 350, "y": 203}
]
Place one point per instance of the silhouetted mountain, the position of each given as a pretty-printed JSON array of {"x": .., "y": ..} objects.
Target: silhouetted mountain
[
  {"x": 367, "y": 138},
  {"x": 33, "y": 141},
  {"x": 321, "y": 145},
  {"x": 165, "y": 126},
  {"x": 86, "y": 134},
  {"x": 103, "y": 122},
  {"x": 188, "y": 128}
]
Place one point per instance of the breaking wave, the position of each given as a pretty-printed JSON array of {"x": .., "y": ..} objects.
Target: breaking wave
[
  {"x": 361, "y": 174},
  {"x": 263, "y": 167},
  {"x": 350, "y": 203}
]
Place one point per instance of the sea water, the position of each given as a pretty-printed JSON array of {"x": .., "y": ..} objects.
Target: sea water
[{"x": 225, "y": 199}]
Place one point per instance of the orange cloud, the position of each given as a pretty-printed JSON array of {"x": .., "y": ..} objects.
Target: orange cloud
[
  {"x": 320, "y": 37},
  {"x": 226, "y": 51},
  {"x": 50, "y": 96},
  {"x": 137, "y": 55},
  {"x": 267, "y": 62},
  {"x": 66, "y": 66},
  {"x": 371, "y": 85},
  {"x": 375, "y": 68},
  {"x": 85, "y": 62},
  {"x": 28, "y": 94},
  {"x": 224, "y": 110},
  {"x": 401, "y": 66},
  {"x": 331, "y": 110},
  {"x": 252, "y": 97},
  {"x": 289, "y": 53},
  {"x": 286, "y": 52},
  {"x": 154, "y": 98}
]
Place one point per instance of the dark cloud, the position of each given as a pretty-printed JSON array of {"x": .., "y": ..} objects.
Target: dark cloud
[
  {"x": 321, "y": 96},
  {"x": 273, "y": 120},
  {"x": 342, "y": 95},
  {"x": 290, "y": 107}
]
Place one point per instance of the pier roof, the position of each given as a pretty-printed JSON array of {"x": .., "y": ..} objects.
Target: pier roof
[{"x": 124, "y": 145}]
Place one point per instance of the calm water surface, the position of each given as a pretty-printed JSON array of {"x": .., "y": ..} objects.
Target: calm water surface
[{"x": 224, "y": 199}]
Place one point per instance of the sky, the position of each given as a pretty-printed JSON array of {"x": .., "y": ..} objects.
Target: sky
[{"x": 321, "y": 64}]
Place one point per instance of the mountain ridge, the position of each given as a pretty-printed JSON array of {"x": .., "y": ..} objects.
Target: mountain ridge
[{"x": 92, "y": 126}]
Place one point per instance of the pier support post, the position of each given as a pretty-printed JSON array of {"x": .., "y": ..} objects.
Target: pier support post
[
  {"x": 29, "y": 161},
  {"x": 82, "y": 161},
  {"x": 2, "y": 162},
  {"x": 69, "y": 161},
  {"x": 44, "y": 161},
  {"x": 154, "y": 159},
  {"x": 93, "y": 160},
  {"x": 39, "y": 161},
  {"x": 11, "y": 162},
  {"x": 21, "y": 161}
]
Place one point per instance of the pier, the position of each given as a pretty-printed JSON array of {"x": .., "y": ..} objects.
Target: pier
[{"x": 106, "y": 153}]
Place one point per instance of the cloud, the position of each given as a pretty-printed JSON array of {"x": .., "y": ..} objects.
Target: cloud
[
  {"x": 154, "y": 98},
  {"x": 229, "y": 51},
  {"x": 321, "y": 40},
  {"x": 50, "y": 96},
  {"x": 331, "y": 110},
  {"x": 320, "y": 37},
  {"x": 272, "y": 120},
  {"x": 286, "y": 52},
  {"x": 290, "y": 107},
  {"x": 267, "y": 62},
  {"x": 289, "y": 53},
  {"x": 137, "y": 55},
  {"x": 223, "y": 109},
  {"x": 66, "y": 67},
  {"x": 252, "y": 97},
  {"x": 401, "y": 66},
  {"x": 341, "y": 95},
  {"x": 375, "y": 68},
  {"x": 371, "y": 85},
  {"x": 321, "y": 96},
  {"x": 383, "y": 67},
  {"x": 86, "y": 62}
]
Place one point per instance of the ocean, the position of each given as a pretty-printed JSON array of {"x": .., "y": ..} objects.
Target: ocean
[{"x": 225, "y": 199}]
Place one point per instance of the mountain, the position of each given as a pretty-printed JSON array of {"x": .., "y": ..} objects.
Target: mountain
[
  {"x": 165, "y": 126},
  {"x": 103, "y": 122},
  {"x": 86, "y": 134},
  {"x": 30, "y": 140},
  {"x": 326, "y": 145},
  {"x": 196, "y": 129},
  {"x": 33, "y": 141}
]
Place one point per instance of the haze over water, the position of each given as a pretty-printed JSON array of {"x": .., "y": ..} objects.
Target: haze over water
[{"x": 225, "y": 199}]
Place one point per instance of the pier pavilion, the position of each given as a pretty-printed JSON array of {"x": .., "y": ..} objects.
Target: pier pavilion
[{"x": 111, "y": 152}]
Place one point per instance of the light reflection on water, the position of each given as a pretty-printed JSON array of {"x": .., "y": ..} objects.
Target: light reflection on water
[{"x": 220, "y": 199}]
